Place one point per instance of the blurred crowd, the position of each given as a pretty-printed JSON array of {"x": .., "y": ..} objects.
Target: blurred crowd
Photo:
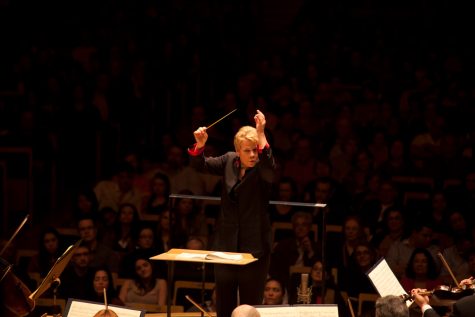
[{"x": 373, "y": 119}]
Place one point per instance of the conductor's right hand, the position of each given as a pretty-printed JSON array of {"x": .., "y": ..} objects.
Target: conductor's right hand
[{"x": 201, "y": 136}]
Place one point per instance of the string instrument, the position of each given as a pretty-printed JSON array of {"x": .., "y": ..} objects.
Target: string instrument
[
  {"x": 446, "y": 291},
  {"x": 443, "y": 292},
  {"x": 14, "y": 294}
]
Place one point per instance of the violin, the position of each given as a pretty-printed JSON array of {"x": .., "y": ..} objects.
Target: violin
[
  {"x": 14, "y": 294},
  {"x": 465, "y": 288},
  {"x": 444, "y": 292}
]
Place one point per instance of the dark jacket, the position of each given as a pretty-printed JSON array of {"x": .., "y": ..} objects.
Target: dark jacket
[
  {"x": 243, "y": 224},
  {"x": 464, "y": 307}
]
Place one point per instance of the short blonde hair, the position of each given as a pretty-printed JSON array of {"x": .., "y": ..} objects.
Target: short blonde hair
[{"x": 246, "y": 133}]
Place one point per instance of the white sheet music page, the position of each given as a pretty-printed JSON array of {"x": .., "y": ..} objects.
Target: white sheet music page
[
  {"x": 299, "y": 311},
  {"x": 76, "y": 308},
  {"x": 384, "y": 280}
]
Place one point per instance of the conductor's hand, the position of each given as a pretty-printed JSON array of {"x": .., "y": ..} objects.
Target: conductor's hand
[
  {"x": 260, "y": 121},
  {"x": 201, "y": 136},
  {"x": 420, "y": 300}
]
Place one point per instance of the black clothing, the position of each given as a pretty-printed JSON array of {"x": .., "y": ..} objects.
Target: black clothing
[{"x": 243, "y": 225}]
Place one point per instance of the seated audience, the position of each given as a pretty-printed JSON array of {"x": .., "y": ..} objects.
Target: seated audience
[
  {"x": 393, "y": 230},
  {"x": 354, "y": 280},
  {"x": 50, "y": 249},
  {"x": 146, "y": 246},
  {"x": 75, "y": 277},
  {"x": 400, "y": 251},
  {"x": 157, "y": 200},
  {"x": 457, "y": 258},
  {"x": 301, "y": 249},
  {"x": 274, "y": 293},
  {"x": 421, "y": 271},
  {"x": 100, "y": 253},
  {"x": 286, "y": 190},
  {"x": 100, "y": 279},
  {"x": 145, "y": 288}
]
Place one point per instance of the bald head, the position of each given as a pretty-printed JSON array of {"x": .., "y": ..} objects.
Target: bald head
[{"x": 245, "y": 311}]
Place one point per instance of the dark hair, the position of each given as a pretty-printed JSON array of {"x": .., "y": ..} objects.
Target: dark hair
[
  {"x": 293, "y": 185},
  {"x": 138, "y": 281},
  {"x": 44, "y": 258},
  {"x": 134, "y": 225},
  {"x": 165, "y": 179},
  {"x": 143, "y": 226},
  {"x": 386, "y": 217},
  {"x": 90, "y": 291},
  {"x": 280, "y": 284},
  {"x": 91, "y": 197},
  {"x": 431, "y": 266}
]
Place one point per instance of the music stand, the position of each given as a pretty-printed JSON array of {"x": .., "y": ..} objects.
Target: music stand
[
  {"x": 55, "y": 271},
  {"x": 201, "y": 256}
]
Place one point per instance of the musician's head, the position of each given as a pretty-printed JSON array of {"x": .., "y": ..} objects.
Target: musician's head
[
  {"x": 391, "y": 306},
  {"x": 245, "y": 311},
  {"x": 245, "y": 144}
]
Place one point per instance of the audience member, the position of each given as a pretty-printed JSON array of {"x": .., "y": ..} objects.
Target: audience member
[
  {"x": 100, "y": 253},
  {"x": 286, "y": 191},
  {"x": 393, "y": 230},
  {"x": 274, "y": 293},
  {"x": 300, "y": 250},
  {"x": 74, "y": 279},
  {"x": 119, "y": 190},
  {"x": 421, "y": 271},
  {"x": 400, "y": 251},
  {"x": 50, "y": 249},
  {"x": 100, "y": 279},
  {"x": 145, "y": 288},
  {"x": 157, "y": 200}
]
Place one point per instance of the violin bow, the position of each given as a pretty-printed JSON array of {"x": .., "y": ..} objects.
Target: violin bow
[
  {"x": 14, "y": 235},
  {"x": 351, "y": 308},
  {"x": 447, "y": 267}
]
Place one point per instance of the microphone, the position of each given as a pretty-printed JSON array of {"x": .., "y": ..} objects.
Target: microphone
[
  {"x": 56, "y": 282},
  {"x": 304, "y": 293}
]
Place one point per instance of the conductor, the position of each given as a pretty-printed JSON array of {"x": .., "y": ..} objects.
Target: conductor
[{"x": 243, "y": 224}]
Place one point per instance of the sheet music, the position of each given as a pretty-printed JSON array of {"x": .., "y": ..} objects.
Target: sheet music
[
  {"x": 384, "y": 280},
  {"x": 77, "y": 308},
  {"x": 209, "y": 256},
  {"x": 299, "y": 311}
]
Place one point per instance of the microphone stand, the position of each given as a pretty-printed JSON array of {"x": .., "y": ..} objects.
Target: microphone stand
[{"x": 56, "y": 311}]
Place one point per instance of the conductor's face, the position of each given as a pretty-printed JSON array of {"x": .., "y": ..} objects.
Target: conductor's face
[{"x": 248, "y": 154}]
